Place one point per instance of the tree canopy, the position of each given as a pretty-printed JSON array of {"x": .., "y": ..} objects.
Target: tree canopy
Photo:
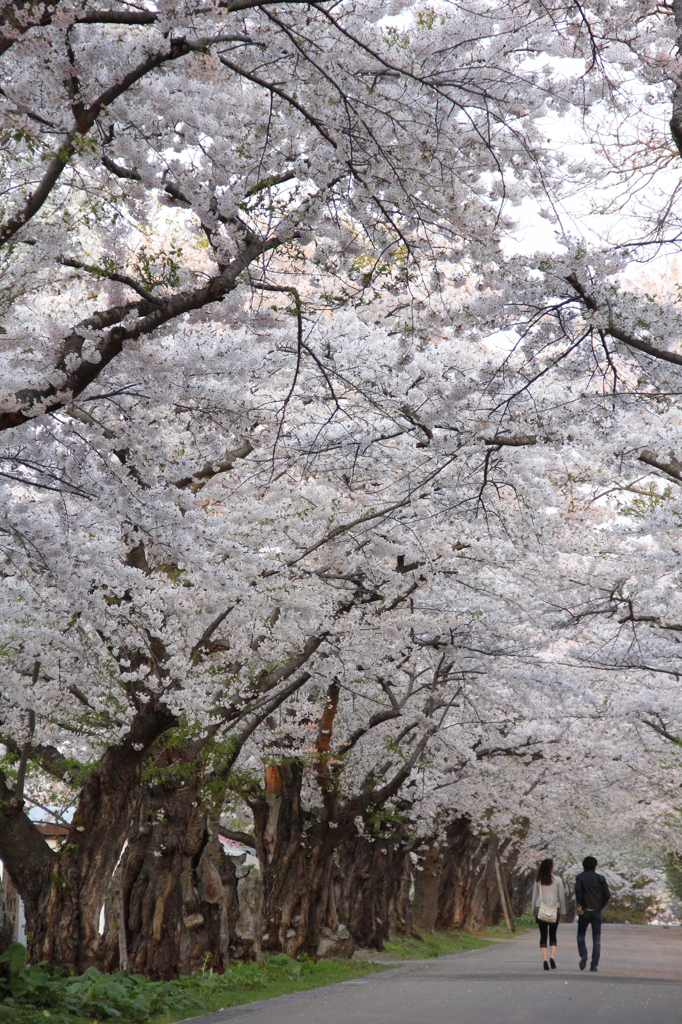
[{"x": 340, "y": 432}]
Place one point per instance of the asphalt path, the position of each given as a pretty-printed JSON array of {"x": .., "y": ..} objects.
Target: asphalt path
[{"x": 639, "y": 982}]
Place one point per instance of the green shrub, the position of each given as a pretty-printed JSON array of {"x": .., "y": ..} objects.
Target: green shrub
[
  {"x": 90, "y": 994},
  {"x": 43, "y": 994}
]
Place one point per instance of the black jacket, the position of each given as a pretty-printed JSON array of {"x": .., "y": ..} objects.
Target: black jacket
[{"x": 591, "y": 891}]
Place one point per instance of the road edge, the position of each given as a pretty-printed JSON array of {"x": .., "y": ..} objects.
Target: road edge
[{"x": 219, "y": 1016}]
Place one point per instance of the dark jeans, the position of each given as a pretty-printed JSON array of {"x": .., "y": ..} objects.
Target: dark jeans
[
  {"x": 544, "y": 927},
  {"x": 588, "y": 917}
]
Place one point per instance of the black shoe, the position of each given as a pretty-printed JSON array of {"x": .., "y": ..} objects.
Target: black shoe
[
  {"x": 552, "y": 963},
  {"x": 583, "y": 963},
  {"x": 593, "y": 969},
  {"x": 545, "y": 965}
]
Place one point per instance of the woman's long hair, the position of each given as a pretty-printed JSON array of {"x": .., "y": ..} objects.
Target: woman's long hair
[{"x": 544, "y": 875}]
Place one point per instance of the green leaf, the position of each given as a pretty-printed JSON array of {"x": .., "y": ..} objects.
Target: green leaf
[{"x": 15, "y": 955}]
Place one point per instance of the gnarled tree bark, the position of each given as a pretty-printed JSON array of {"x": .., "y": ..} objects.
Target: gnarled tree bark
[
  {"x": 468, "y": 895},
  {"x": 64, "y": 892},
  {"x": 172, "y": 907},
  {"x": 296, "y": 852},
  {"x": 326, "y": 887}
]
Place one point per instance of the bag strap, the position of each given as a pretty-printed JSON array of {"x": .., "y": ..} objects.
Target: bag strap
[{"x": 547, "y": 887}]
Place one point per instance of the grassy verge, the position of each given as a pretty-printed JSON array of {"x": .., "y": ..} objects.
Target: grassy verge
[
  {"x": 437, "y": 944},
  {"x": 441, "y": 943},
  {"x": 41, "y": 995},
  {"x": 525, "y": 923},
  {"x": 313, "y": 975}
]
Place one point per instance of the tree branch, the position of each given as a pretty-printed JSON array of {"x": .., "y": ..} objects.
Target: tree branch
[
  {"x": 209, "y": 631},
  {"x": 615, "y": 332},
  {"x": 48, "y": 757},
  {"x": 673, "y": 468},
  {"x": 85, "y": 119},
  {"x": 289, "y": 99},
  {"x": 399, "y": 599},
  {"x": 23, "y": 850},
  {"x": 376, "y": 719},
  {"x": 662, "y": 731},
  {"x": 337, "y": 531},
  {"x": 237, "y": 837},
  {"x": 377, "y": 798},
  {"x": 267, "y": 680},
  {"x": 512, "y": 442},
  {"x": 34, "y": 402},
  {"x": 259, "y": 718},
  {"x": 19, "y": 16},
  {"x": 111, "y": 275},
  {"x": 323, "y": 741},
  {"x": 18, "y": 798},
  {"x": 199, "y": 479}
]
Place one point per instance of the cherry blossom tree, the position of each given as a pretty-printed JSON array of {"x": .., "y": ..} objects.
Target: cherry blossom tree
[
  {"x": 303, "y": 470},
  {"x": 154, "y": 608},
  {"x": 392, "y": 150},
  {"x": 135, "y": 203}
]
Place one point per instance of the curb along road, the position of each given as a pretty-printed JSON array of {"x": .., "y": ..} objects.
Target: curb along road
[
  {"x": 216, "y": 1016},
  {"x": 639, "y": 982}
]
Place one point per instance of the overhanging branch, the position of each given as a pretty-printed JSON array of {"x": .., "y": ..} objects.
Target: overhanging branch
[
  {"x": 673, "y": 468},
  {"x": 80, "y": 364},
  {"x": 591, "y": 304}
]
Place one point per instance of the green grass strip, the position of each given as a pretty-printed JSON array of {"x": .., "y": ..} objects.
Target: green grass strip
[
  {"x": 40, "y": 994},
  {"x": 437, "y": 944}
]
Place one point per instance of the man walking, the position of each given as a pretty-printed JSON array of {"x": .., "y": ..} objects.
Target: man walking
[{"x": 591, "y": 896}]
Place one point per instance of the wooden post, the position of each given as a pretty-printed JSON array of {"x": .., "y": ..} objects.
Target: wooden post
[{"x": 504, "y": 897}]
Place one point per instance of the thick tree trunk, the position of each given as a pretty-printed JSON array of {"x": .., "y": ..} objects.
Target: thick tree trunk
[
  {"x": 64, "y": 893},
  {"x": 521, "y": 890},
  {"x": 300, "y": 870},
  {"x": 427, "y": 877},
  {"x": 172, "y": 906},
  {"x": 65, "y": 928},
  {"x": 373, "y": 892},
  {"x": 326, "y": 889},
  {"x": 27, "y": 859},
  {"x": 6, "y": 921},
  {"x": 400, "y": 911},
  {"x": 469, "y": 895}
]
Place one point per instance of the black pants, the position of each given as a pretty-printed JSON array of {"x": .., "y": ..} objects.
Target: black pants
[
  {"x": 547, "y": 926},
  {"x": 587, "y": 918}
]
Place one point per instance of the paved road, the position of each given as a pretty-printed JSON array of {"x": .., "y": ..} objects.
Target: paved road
[{"x": 639, "y": 982}]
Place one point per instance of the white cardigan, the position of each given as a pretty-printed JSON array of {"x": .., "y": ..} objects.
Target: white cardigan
[{"x": 552, "y": 894}]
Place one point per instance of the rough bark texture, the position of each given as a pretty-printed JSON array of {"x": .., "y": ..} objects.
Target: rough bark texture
[
  {"x": 521, "y": 890},
  {"x": 469, "y": 895},
  {"x": 172, "y": 906},
  {"x": 326, "y": 889},
  {"x": 64, "y": 893},
  {"x": 427, "y": 875},
  {"x": 65, "y": 930},
  {"x": 6, "y": 919},
  {"x": 26, "y": 856},
  {"x": 141, "y": 881},
  {"x": 372, "y": 894},
  {"x": 400, "y": 911},
  {"x": 300, "y": 870}
]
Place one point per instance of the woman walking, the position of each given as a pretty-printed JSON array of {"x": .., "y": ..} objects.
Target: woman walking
[{"x": 549, "y": 901}]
